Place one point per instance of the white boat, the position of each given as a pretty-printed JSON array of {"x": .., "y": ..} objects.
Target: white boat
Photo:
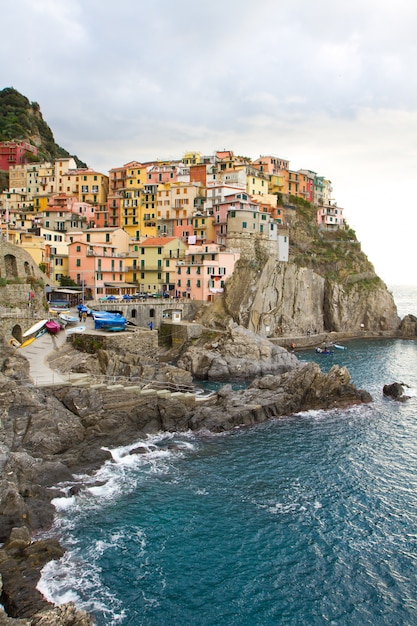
[
  {"x": 34, "y": 329},
  {"x": 339, "y": 347},
  {"x": 75, "y": 329},
  {"x": 68, "y": 319}
]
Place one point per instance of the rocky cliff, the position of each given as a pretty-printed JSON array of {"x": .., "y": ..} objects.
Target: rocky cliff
[{"x": 285, "y": 299}]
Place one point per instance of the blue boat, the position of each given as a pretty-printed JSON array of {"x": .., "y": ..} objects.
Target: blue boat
[
  {"x": 324, "y": 351},
  {"x": 105, "y": 320}
]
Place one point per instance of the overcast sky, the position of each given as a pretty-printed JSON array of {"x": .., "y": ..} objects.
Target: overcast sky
[{"x": 330, "y": 86}]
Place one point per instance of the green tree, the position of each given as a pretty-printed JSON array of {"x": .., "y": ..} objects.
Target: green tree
[{"x": 66, "y": 281}]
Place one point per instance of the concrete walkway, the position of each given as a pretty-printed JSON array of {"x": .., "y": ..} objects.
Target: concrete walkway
[{"x": 38, "y": 351}]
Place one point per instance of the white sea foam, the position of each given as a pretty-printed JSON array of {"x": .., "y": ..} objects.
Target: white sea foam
[{"x": 71, "y": 579}]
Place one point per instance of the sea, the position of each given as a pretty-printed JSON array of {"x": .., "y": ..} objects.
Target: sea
[{"x": 309, "y": 519}]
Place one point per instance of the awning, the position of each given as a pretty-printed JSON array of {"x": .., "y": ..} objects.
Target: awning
[{"x": 121, "y": 285}]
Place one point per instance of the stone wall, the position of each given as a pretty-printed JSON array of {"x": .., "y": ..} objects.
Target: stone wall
[
  {"x": 142, "y": 342},
  {"x": 143, "y": 313}
]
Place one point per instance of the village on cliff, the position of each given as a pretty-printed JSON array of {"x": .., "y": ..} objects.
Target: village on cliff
[{"x": 171, "y": 228}]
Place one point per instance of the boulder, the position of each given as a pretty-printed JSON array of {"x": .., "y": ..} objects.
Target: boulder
[
  {"x": 237, "y": 354},
  {"x": 408, "y": 326},
  {"x": 396, "y": 391}
]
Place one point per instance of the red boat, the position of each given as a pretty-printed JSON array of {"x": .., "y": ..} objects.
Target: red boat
[{"x": 52, "y": 327}]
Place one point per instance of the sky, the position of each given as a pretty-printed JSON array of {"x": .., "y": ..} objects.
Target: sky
[{"x": 330, "y": 86}]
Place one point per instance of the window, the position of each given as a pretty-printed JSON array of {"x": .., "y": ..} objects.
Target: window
[
  {"x": 107, "y": 237},
  {"x": 78, "y": 264},
  {"x": 198, "y": 283},
  {"x": 167, "y": 263},
  {"x": 88, "y": 237},
  {"x": 78, "y": 248},
  {"x": 244, "y": 225}
]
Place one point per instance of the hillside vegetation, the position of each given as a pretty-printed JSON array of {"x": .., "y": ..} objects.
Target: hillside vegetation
[
  {"x": 335, "y": 255},
  {"x": 22, "y": 119}
]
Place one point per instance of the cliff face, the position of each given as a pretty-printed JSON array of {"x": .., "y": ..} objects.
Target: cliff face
[
  {"x": 285, "y": 299},
  {"x": 328, "y": 285}
]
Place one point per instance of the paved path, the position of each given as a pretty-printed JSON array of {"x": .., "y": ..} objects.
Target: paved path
[{"x": 38, "y": 351}]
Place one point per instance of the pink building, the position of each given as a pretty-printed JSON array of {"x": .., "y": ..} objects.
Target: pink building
[
  {"x": 330, "y": 217},
  {"x": 158, "y": 174},
  {"x": 15, "y": 153},
  {"x": 93, "y": 266},
  {"x": 202, "y": 273}
]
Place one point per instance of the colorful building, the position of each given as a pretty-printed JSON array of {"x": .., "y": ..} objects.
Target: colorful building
[{"x": 16, "y": 152}]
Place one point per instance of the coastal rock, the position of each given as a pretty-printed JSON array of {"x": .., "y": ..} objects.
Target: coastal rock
[
  {"x": 284, "y": 299},
  {"x": 63, "y": 615},
  {"x": 21, "y": 563},
  {"x": 408, "y": 326},
  {"x": 303, "y": 388},
  {"x": 396, "y": 391},
  {"x": 235, "y": 355},
  {"x": 49, "y": 434}
]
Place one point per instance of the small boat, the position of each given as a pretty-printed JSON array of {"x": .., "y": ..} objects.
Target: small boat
[
  {"x": 40, "y": 332},
  {"x": 34, "y": 329},
  {"x": 53, "y": 327},
  {"x": 339, "y": 347},
  {"x": 324, "y": 351},
  {"x": 14, "y": 342},
  {"x": 68, "y": 319},
  {"x": 27, "y": 342},
  {"x": 75, "y": 329}
]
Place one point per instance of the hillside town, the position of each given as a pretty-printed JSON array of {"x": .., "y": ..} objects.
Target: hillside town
[{"x": 171, "y": 229}]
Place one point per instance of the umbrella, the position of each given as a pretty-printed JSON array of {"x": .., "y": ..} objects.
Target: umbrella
[
  {"x": 111, "y": 297},
  {"x": 126, "y": 297}
]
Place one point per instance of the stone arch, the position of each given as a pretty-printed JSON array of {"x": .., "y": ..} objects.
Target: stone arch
[
  {"x": 151, "y": 312},
  {"x": 17, "y": 332},
  {"x": 11, "y": 266}
]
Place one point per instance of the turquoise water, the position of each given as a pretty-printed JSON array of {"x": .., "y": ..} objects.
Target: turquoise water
[{"x": 310, "y": 519}]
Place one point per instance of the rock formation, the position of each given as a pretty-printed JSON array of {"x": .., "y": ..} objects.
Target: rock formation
[
  {"x": 49, "y": 435},
  {"x": 285, "y": 299},
  {"x": 235, "y": 355},
  {"x": 396, "y": 391},
  {"x": 408, "y": 326}
]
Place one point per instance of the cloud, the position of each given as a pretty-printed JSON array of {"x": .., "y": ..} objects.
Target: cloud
[{"x": 329, "y": 86}]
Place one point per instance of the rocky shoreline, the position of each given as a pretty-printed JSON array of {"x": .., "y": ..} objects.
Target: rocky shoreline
[{"x": 50, "y": 434}]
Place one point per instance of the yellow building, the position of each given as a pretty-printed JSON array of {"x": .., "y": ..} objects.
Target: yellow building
[
  {"x": 157, "y": 258},
  {"x": 132, "y": 199},
  {"x": 35, "y": 246},
  {"x": 56, "y": 254},
  {"x": 192, "y": 158}
]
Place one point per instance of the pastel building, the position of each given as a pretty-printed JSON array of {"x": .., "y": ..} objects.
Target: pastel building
[
  {"x": 202, "y": 272},
  {"x": 15, "y": 152},
  {"x": 157, "y": 256},
  {"x": 330, "y": 217}
]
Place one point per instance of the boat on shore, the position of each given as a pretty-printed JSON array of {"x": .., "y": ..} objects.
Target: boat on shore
[
  {"x": 53, "y": 327},
  {"x": 35, "y": 328},
  {"x": 105, "y": 320},
  {"x": 75, "y": 329},
  {"x": 68, "y": 319}
]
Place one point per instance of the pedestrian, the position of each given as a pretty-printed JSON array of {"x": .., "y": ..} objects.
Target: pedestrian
[{"x": 150, "y": 326}]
